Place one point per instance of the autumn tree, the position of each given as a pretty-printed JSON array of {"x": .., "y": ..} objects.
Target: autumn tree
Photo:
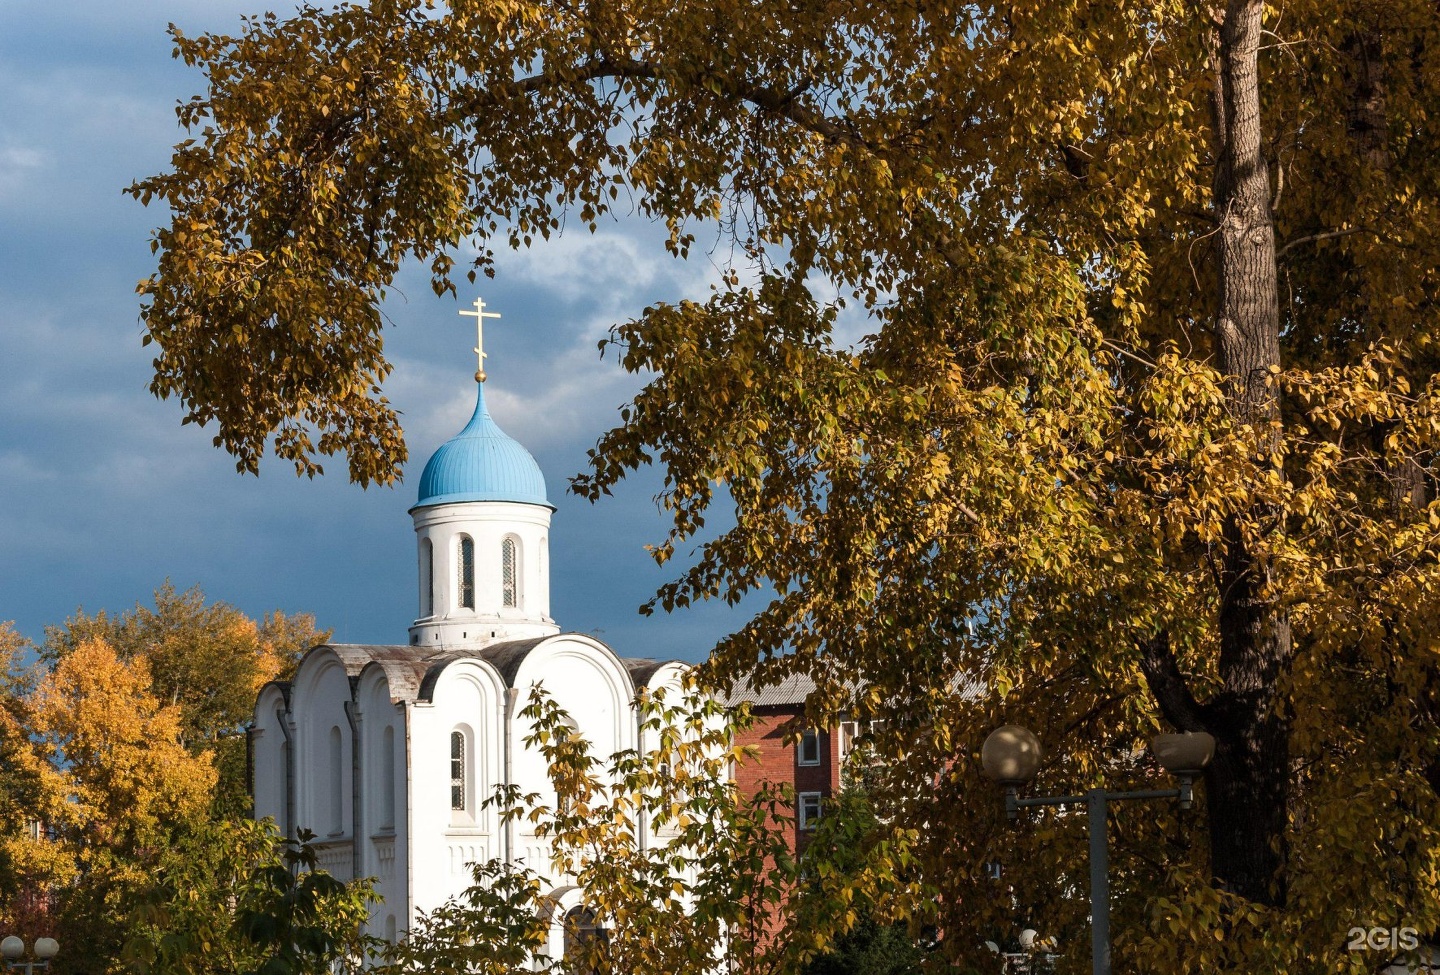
[
  {"x": 31, "y": 795},
  {"x": 870, "y": 949},
  {"x": 836, "y": 876},
  {"x": 1142, "y": 436},
  {"x": 207, "y": 659},
  {"x": 120, "y": 787}
]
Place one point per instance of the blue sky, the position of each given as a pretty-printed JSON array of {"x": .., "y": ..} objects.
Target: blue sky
[{"x": 104, "y": 495}]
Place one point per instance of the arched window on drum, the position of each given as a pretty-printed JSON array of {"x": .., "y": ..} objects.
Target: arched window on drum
[
  {"x": 465, "y": 572},
  {"x": 510, "y": 571},
  {"x": 427, "y": 579}
]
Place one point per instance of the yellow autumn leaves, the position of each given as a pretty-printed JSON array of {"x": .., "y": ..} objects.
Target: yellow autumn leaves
[
  {"x": 118, "y": 774},
  {"x": 124, "y": 737}
]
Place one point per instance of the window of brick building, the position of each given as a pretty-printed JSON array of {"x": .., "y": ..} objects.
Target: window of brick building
[
  {"x": 809, "y": 751},
  {"x": 808, "y": 809}
]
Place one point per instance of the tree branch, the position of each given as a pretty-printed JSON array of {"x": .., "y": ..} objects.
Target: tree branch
[
  {"x": 1168, "y": 685},
  {"x": 784, "y": 104},
  {"x": 968, "y": 512},
  {"x": 1313, "y": 238},
  {"x": 594, "y": 70}
]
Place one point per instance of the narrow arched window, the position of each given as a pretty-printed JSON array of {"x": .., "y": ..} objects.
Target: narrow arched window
[
  {"x": 508, "y": 572},
  {"x": 387, "y": 778},
  {"x": 427, "y": 579},
  {"x": 337, "y": 779},
  {"x": 457, "y": 770},
  {"x": 467, "y": 572},
  {"x": 583, "y": 939}
]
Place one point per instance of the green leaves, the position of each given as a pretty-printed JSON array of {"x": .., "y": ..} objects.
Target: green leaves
[
  {"x": 235, "y": 898},
  {"x": 499, "y": 927}
]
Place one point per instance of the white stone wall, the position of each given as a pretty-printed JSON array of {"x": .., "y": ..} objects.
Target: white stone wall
[
  {"x": 403, "y": 829},
  {"x": 669, "y": 679},
  {"x": 585, "y": 679},
  {"x": 384, "y": 824},
  {"x": 488, "y": 525},
  {"x": 322, "y": 735},
  {"x": 469, "y": 696},
  {"x": 268, "y": 756}
]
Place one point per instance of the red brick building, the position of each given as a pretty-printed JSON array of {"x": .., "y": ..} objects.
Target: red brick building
[
  {"x": 812, "y": 765},
  {"x": 809, "y": 760}
]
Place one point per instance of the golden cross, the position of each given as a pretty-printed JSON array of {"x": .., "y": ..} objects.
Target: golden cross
[{"x": 480, "y": 314}]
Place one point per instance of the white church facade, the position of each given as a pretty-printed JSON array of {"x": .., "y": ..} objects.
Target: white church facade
[{"x": 387, "y": 753}]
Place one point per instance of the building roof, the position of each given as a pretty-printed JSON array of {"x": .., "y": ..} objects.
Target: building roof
[
  {"x": 403, "y": 664},
  {"x": 792, "y": 690},
  {"x": 283, "y": 686},
  {"x": 412, "y": 671},
  {"x": 482, "y": 463},
  {"x": 643, "y": 668},
  {"x": 356, "y": 655},
  {"x": 505, "y": 656}
]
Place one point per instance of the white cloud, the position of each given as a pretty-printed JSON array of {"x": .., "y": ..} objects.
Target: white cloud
[
  {"x": 576, "y": 267},
  {"x": 17, "y": 165},
  {"x": 556, "y": 406},
  {"x": 19, "y": 467},
  {"x": 604, "y": 273}
]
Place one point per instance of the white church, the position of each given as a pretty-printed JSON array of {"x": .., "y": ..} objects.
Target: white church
[{"x": 387, "y": 753}]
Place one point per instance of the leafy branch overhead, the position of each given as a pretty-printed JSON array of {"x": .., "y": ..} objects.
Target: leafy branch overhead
[
  {"x": 335, "y": 145},
  {"x": 1144, "y": 433}
]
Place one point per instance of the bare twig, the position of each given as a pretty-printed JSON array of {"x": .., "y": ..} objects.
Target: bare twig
[
  {"x": 1313, "y": 238},
  {"x": 1127, "y": 354}
]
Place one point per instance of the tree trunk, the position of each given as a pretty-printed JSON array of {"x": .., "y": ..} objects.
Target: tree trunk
[{"x": 1248, "y": 782}]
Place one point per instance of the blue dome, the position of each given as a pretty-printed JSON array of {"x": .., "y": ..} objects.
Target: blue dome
[{"x": 482, "y": 463}]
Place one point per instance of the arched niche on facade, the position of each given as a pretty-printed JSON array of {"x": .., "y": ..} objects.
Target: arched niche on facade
[
  {"x": 382, "y": 725},
  {"x": 569, "y": 924},
  {"x": 587, "y": 680},
  {"x": 467, "y": 696},
  {"x": 668, "y": 676},
  {"x": 384, "y": 826},
  {"x": 270, "y": 755},
  {"x": 665, "y": 684},
  {"x": 319, "y": 695}
]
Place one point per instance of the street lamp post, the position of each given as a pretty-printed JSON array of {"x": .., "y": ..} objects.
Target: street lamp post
[
  {"x": 14, "y": 949},
  {"x": 1011, "y": 756}
]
